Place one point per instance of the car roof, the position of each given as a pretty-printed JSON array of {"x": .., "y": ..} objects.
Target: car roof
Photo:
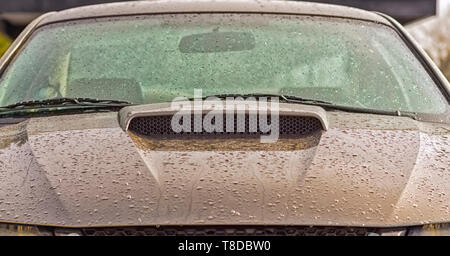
[{"x": 202, "y": 6}]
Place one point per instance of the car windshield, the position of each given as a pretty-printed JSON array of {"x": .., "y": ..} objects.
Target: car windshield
[{"x": 156, "y": 58}]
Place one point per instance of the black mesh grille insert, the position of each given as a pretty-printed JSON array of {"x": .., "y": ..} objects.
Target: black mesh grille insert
[
  {"x": 228, "y": 231},
  {"x": 289, "y": 126}
]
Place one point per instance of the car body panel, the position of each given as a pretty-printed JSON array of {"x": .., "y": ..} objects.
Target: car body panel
[{"x": 84, "y": 170}]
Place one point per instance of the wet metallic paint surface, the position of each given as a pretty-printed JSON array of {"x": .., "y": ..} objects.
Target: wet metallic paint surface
[
  {"x": 84, "y": 170},
  {"x": 251, "y": 6}
]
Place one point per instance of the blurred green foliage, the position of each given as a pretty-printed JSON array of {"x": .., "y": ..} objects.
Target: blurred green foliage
[{"x": 5, "y": 42}]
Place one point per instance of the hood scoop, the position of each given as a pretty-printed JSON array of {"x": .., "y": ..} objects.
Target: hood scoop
[
  {"x": 157, "y": 121},
  {"x": 160, "y": 127}
]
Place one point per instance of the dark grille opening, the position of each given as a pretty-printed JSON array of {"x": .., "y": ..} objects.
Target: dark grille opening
[
  {"x": 289, "y": 126},
  {"x": 228, "y": 231}
]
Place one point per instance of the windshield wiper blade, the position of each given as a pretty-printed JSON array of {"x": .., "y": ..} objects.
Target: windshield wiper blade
[
  {"x": 325, "y": 104},
  {"x": 287, "y": 98},
  {"x": 321, "y": 103},
  {"x": 61, "y": 102}
]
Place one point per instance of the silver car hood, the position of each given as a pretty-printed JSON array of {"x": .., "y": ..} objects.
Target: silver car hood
[{"x": 85, "y": 170}]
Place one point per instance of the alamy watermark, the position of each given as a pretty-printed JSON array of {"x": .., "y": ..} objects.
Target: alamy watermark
[{"x": 217, "y": 115}]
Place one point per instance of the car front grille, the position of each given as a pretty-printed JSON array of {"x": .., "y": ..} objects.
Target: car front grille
[
  {"x": 228, "y": 231},
  {"x": 160, "y": 127}
]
